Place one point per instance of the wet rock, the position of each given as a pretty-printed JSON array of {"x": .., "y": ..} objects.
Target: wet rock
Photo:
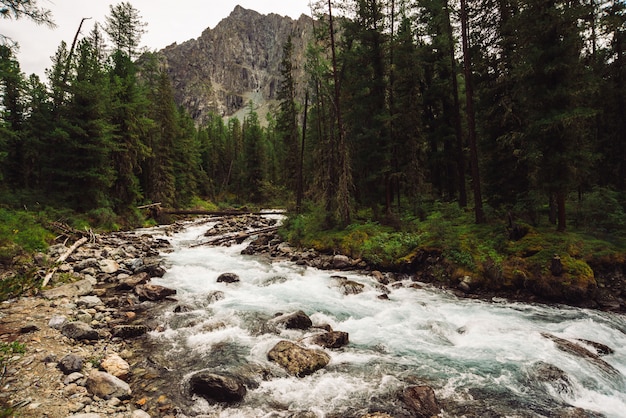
[
  {"x": 214, "y": 296},
  {"x": 580, "y": 351},
  {"x": 332, "y": 339},
  {"x": 422, "y": 400},
  {"x": 295, "y": 320},
  {"x": 348, "y": 287},
  {"x": 107, "y": 386},
  {"x": 216, "y": 387},
  {"x": 298, "y": 361},
  {"x": 129, "y": 331},
  {"x": 377, "y": 415},
  {"x": 153, "y": 292},
  {"x": 601, "y": 349},
  {"x": 70, "y": 363},
  {"x": 79, "y": 331},
  {"x": 70, "y": 290},
  {"x": 115, "y": 365},
  {"x": 552, "y": 375},
  {"x": 228, "y": 278}
]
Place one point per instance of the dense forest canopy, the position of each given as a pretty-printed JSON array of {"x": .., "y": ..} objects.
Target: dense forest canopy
[{"x": 501, "y": 106}]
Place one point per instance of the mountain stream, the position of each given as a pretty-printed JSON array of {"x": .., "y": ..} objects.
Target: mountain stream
[{"x": 482, "y": 358}]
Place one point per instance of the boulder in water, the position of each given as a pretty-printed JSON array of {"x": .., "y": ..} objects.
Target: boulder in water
[
  {"x": 348, "y": 287},
  {"x": 422, "y": 400},
  {"x": 298, "y": 361},
  {"x": 228, "y": 278},
  {"x": 552, "y": 375},
  {"x": 217, "y": 388},
  {"x": 332, "y": 339},
  {"x": 580, "y": 351},
  {"x": 294, "y": 320}
]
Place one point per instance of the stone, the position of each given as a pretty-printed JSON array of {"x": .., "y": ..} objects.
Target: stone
[
  {"x": 69, "y": 290},
  {"x": 70, "y": 363},
  {"x": 580, "y": 351},
  {"x": 89, "y": 301},
  {"x": 88, "y": 263},
  {"x": 107, "y": 386},
  {"x": 552, "y": 375},
  {"x": 217, "y": 388},
  {"x": 348, "y": 287},
  {"x": 57, "y": 321},
  {"x": 79, "y": 331},
  {"x": 131, "y": 282},
  {"x": 153, "y": 292},
  {"x": 214, "y": 296},
  {"x": 115, "y": 365},
  {"x": 341, "y": 262},
  {"x": 28, "y": 328},
  {"x": 422, "y": 400},
  {"x": 332, "y": 339},
  {"x": 73, "y": 377},
  {"x": 295, "y": 320},
  {"x": 138, "y": 413},
  {"x": 228, "y": 278},
  {"x": 129, "y": 331},
  {"x": 87, "y": 415},
  {"x": 108, "y": 266},
  {"x": 298, "y": 361}
]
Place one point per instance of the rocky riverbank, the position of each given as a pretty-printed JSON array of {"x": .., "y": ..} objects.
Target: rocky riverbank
[{"x": 79, "y": 332}]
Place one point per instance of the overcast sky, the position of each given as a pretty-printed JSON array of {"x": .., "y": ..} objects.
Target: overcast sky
[{"x": 167, "y": 22}]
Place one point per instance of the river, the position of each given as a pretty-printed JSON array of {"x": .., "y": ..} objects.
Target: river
[{"x": 482, "y": 358}]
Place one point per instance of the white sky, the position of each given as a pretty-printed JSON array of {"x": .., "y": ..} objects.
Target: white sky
[{"x": 167, "y": 22}]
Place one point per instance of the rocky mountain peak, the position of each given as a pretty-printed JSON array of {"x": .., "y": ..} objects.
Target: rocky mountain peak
[{"x": 236, "y": 62}]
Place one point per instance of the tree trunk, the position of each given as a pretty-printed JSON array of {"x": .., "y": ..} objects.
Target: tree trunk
[
  {"x": 471, "y": 119},
  {"x": 460, "y": 160},
  {"x": 560, "y": 204}
]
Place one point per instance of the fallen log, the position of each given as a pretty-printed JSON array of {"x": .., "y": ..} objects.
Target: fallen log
[
  {"x": 61, "y": 259},
  {"x": 217, "y": 213},
  {"x": 236, "y": 236}
]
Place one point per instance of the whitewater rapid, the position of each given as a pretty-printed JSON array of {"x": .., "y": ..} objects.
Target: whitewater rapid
[{"x": 480, "y": 357}]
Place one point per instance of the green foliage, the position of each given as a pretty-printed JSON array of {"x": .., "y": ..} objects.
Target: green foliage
[
  {"x": 23, "y": 229},
  {"x": 602, "y": 209}
]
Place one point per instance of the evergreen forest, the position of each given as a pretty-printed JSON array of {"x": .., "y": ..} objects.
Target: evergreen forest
[{"x": 503, "y": 113}]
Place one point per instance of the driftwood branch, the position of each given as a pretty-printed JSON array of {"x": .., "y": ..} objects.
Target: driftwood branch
[
  {"x": 237, "y": 236},
  {"x": 61, "y": 259}
]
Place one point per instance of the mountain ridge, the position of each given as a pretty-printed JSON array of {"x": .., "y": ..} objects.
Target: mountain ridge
[{"x": 234, "y": 63}]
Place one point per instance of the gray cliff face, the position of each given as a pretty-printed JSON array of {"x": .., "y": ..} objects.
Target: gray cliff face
[{"x": 236, "y": 62}]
